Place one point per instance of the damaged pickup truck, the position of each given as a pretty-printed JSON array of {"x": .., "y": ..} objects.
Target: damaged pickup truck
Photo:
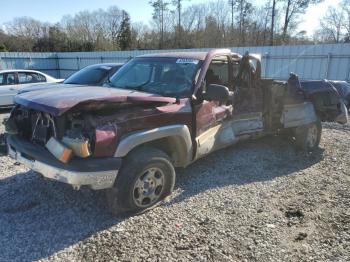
[{"x": 161, "y": 111}]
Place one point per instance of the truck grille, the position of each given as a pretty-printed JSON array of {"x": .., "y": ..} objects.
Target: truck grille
[{"x": 34, "y": 126}]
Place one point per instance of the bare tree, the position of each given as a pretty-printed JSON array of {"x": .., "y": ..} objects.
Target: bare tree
[
  {"x": 99, "y": 28},
  {"x": 194, "y": 21},
  {"x": 160, "y": 7},
  {"x": 232, "y": 4},
  {"x": 139, "y": 31},
  {"x": 345, "y": 6},
  {"x": 273, "y": 14},
  {"x": 293, "y": 8},
  {"x": 267, "y": 13},
  {"x": 260, "y": 18},
  {"x": 26, "y": 27},
  {"x": 112, "y": 21},
  {"x": 245, "y": 8},
  {"x": 211, "y": 34},
  {"x": 215, "y": 23},
  {"x": 331, "y": 26},
  {"x": 178, "y": 6}
]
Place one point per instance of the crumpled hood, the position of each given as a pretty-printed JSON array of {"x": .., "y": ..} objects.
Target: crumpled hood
[
  {"x": 36, "y": 87},
  {"x": 58, "y": 101}
]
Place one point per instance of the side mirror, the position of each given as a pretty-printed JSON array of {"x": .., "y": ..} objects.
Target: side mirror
[{"x": 217, "y": 93}]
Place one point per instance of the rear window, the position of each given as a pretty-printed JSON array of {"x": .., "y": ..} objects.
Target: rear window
[
  {"x": 89, "y": 76},
  {"x": 1, "y": 79}
]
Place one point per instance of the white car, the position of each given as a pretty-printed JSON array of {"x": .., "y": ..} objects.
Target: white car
[{"x": 11, "y": 81}]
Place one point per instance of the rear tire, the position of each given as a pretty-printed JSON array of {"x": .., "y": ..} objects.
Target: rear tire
[
  {"x": 308, "y": 137},
  {"x": 146, "y": 178}
]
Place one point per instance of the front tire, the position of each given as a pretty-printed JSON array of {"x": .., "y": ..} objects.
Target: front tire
[
  {"x": 308, "y": 137},
  {"x": 146, "y": 177}
]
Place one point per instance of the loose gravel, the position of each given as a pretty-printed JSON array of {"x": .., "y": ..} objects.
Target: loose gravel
[{"x": 257, "y": 201}]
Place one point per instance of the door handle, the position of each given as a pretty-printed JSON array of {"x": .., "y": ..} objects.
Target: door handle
[{"x": 12, "y": 89}]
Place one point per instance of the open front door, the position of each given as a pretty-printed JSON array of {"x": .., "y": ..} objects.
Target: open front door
[{"x": 212, "y": 118}]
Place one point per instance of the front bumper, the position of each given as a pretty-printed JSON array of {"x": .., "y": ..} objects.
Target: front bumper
[{"x": 98, "y": 173}]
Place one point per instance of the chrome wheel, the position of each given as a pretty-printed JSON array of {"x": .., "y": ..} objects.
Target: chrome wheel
[
  {"x": 148, "y": 187},
  {"x": 311, "y": 138}
]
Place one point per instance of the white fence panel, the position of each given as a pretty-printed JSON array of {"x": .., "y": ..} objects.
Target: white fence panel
[
  {"x": 330, "y": 61},
  {"x": 45, "y": 62}
]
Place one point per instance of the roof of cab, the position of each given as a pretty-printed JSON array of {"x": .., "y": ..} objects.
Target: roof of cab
[{"x": 191, "y": 55}]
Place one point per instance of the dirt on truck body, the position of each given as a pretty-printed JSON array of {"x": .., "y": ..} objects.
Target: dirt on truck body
[{"x": 161, "y": 111}]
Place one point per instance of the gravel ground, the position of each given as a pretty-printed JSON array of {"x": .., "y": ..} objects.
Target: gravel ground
[{"x": 258, "y": 201}]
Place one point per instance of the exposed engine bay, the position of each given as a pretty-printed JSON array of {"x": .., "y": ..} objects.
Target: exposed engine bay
[
  {"x": 86, "y": 131},
  {"x": 69, "y": 135}
]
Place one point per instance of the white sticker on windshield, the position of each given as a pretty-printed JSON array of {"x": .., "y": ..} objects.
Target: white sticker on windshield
[{"x": 187, "y": 61}]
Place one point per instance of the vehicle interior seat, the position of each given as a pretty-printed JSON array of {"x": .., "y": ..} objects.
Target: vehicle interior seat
[
  {"x": 212, "y": 78},
  {"x": 10, "y": 80},
  {"x": 173, "y": 75}
]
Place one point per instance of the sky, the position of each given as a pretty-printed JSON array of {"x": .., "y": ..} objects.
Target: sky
[{"x": 139, "y": 10}]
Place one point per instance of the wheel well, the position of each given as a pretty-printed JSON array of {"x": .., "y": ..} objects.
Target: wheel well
[
  {"x": 326, "y": 106},
  {"x": 174, "y": 147}
]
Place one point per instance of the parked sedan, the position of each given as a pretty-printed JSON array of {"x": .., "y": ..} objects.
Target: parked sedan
[
  {"x": 11, "y": 81},
  {"x": 93, "y": 75}
]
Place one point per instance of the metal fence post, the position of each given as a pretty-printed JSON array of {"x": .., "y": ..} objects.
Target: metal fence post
[
  {"x": 329, "y": 57},
  {"x": 78, "y": 63},
  {"x": 30, "y": 62},
  {"x": 58, "y": 66},
  {"x": 348, "y": 74},
  {"x": 266, "y": 56}
]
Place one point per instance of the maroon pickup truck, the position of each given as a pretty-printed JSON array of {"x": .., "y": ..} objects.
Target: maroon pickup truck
[{"x": 159, "y": 112}]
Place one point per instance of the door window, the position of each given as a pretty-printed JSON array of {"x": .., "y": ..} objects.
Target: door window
[
  {"x": 26, "y": 78},
  {"x": 41, "y": 78},
  {"x": 9, "y": 79},
  {"x": 2, "y": 79},
  {"x": 218, "y": 72}
]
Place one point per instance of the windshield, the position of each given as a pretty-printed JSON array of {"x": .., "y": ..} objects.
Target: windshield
[
  {"x": 172, "y": 77},
  {"x": 89, "y": 76}
]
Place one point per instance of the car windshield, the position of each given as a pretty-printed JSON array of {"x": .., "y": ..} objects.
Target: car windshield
[
  {"x": 165, "y": 76},
  {"x": 89, "y": 76}
]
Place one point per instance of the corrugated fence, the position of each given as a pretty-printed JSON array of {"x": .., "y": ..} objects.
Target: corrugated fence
[{"x": 330, "y": 61}]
